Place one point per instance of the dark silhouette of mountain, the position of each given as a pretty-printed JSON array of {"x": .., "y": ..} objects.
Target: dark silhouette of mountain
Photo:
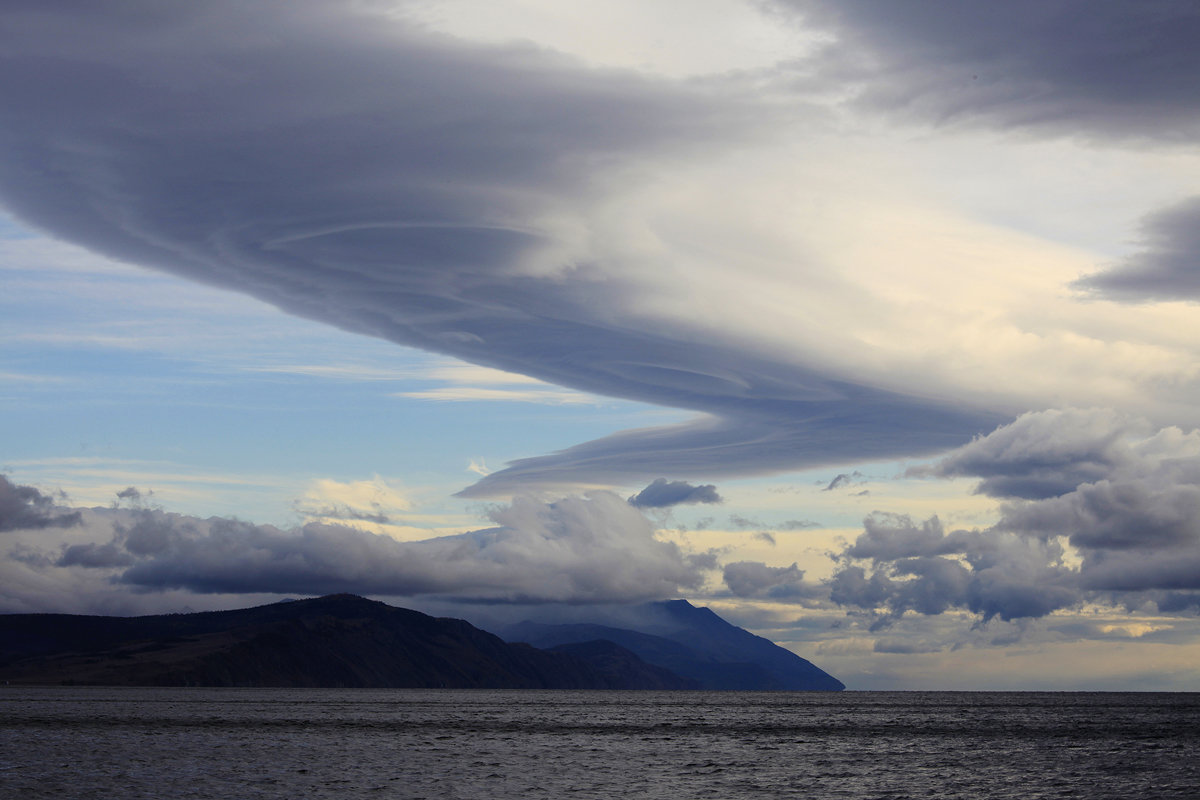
[
  {"x": 334, "y": 641},
  {"x": 620, "y": 666},
  {"x": 693, "y": 643}
]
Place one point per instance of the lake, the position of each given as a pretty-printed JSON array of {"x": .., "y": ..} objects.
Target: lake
[{"x": 77, "y": 742}]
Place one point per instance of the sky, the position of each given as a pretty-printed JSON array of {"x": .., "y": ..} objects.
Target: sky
[{"x": 870, "y": 325}]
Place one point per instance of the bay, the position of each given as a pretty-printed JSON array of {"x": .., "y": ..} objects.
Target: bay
[{"x": 94, "y": 742}]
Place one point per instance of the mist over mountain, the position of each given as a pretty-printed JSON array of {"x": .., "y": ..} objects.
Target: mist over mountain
[{"x": 694, "y": 643}]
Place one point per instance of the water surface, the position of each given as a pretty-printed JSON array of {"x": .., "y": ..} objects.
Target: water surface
[{"x": 348, "y": 744}]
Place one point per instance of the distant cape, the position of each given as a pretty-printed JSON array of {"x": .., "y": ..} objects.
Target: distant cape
[
  {"x": 694, "y": 643},
  {"x": 334, "y": 641}
]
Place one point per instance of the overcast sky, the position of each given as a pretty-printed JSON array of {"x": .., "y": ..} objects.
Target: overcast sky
[{"x": 871, "y": 325}]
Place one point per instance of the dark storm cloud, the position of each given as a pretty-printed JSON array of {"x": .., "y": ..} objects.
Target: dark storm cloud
[
  {"x": 1120, "y": 68},
  {"x": 353, "y": 169},
  {"x": 663, "y": 493},
  {"x": 1166, "y": 268},
  {"x": 25, "y": 508},
  {"x": 591, "y": 549}
]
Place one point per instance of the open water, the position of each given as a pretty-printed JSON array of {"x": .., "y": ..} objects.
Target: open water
[{"x": 348, "y": 744}]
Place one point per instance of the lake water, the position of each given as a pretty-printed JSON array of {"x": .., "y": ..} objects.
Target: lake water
[{"x": 349, "y": 744}]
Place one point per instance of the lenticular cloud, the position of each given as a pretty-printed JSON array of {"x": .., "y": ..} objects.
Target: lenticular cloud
[{"x": 358, "y": 170}]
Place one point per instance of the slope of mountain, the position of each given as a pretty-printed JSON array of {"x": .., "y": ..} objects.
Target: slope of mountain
[
  {"x": 693, "y": 643},
  {"x": 335, "y": 641}
]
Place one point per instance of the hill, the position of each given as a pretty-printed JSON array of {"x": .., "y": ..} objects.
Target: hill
[
  {"x": 694, "y": 643},
  {"x": 334, "y": 641}
]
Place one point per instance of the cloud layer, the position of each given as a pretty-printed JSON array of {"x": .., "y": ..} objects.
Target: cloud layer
[
  {"x": 1166, "y": 268},
  {"x": 461, "y": 198},
  {"x": 1124, "y": 68},
  {"x": 1122, "y": 72},
  {"x": 581, "y": 549}
]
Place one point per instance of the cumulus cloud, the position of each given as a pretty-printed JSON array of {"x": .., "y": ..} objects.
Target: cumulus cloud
[
  {"x": 1126, "y": 68},
  {"x": 756, "y": 579},
  {"x": 922, "y": 568},
  {"x": 582, "y": 549},
  {"x": 25, "y": 508},
  {"x": 358, "y": 169},
  {"x": 663, "y": 493},
  {"x": 1121, "y": 495}
]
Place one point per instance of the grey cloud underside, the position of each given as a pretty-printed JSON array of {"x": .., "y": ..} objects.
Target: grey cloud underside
[
  {"x": 755, "y": 579},
  {"x": 1120, "y": 68},
  {"x": 1125, "y": 497},
  {"x": 589, "y": 549},
  {"x": 863, "y": 424},
  {"x": 25, "y": 508},
  {"x": 398, "y": 184},
  {"x": 663, "y": 494},
  {"x": 1167, "y": 267}
]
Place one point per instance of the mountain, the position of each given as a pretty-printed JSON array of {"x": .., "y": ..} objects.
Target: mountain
[
  {"x": 693, "y": 643},
  {"x": 334, "y": 641}
]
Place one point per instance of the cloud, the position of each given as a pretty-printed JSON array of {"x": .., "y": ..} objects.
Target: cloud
[
  {"x": 475, "y": 394},
  {"x": 457, "y": 197},
  {"x": 922, "y": 568},
  {"x": 376, "y": 501},
  {"x": 1166, "y": 268},
  {"x": 582, "y": 549},
  {"x": 1045, "y": 454},
  {"x": 1121, "y": 495},
  {"x": 843, "y": 479},
  {"x": 108, "y": 554},
  {"x": 25, "y": 508},
  {"x": 860, "y": 425},
  {"x": 1125, "y": 68},
  {"x": 756, "y": 579},
  {"x": 663, "y": 493}
]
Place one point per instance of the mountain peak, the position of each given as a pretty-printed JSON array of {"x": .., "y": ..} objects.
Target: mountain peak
[{"x": 691, "y": 641}]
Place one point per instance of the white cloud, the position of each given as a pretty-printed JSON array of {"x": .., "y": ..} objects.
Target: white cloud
[{"x": 585, "y": 549}]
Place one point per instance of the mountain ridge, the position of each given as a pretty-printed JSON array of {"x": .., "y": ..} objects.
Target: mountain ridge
[
  {"x": 695, "y": 643},
  {"x": 349, "y": 641},
  {"x": 332, "y": 641}
]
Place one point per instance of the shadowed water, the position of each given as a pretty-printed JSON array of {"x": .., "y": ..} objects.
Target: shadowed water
[{"x": 347, "y": 744}]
